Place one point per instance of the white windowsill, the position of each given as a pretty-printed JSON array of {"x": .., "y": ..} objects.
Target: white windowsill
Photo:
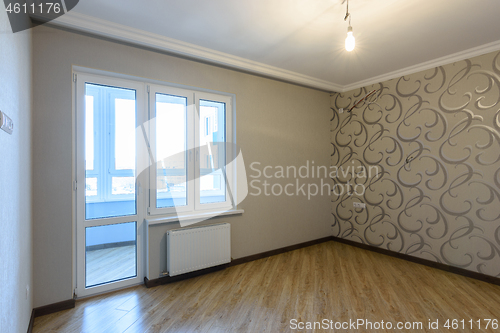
[{"x": 187, "y": 217}]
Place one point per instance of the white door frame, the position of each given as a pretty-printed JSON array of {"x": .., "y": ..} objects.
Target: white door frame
[{"x": 79, "y": 202}]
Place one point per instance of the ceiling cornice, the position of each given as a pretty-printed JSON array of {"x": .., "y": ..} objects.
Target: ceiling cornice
[
  {"x": 124, "y": 33},
  {"x": 449, "y": 59}
]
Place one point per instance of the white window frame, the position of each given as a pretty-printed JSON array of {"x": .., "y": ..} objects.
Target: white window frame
[
  {"x": 194, "y": 205},
  {"x": 229, "y": 172},
  {"x": 104, "y": 170},
  {"x": 153, "y": 90}
]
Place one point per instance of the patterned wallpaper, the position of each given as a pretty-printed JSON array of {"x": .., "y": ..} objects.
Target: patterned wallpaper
[{"x": 423, "y": 153}]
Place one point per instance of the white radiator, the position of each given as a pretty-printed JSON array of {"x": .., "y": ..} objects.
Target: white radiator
[{"x": 192, "y": 249}]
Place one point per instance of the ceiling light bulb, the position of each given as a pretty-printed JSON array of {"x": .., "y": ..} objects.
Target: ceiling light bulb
[{"x": 350, "y": 42}]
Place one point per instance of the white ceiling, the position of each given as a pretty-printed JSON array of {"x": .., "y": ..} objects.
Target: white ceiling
[{"x": 303, "y": 40}]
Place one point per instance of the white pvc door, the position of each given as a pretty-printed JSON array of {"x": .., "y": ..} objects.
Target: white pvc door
[{"x": 109, "y": 183}]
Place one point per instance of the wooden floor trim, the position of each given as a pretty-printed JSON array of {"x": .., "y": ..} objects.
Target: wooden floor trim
[
  {"x": 52, "y": 308},
  {"x": 262, "y": 255},
  {"x": 168, "y": 279},
  {"x": 433, "y": 264},
  {"x": 32, "y": 321}
]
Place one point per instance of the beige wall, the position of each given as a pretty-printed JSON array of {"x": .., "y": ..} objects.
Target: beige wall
[
  {"x": 277, "y": 124},
  {"x": 444, "y": 206},
  {"x": 15, "y": 180}
]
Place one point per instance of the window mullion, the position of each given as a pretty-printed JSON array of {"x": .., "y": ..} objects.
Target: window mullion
[
  {"x": 103, "y": 138},
  {"x": 193, "y": 151},
  {"x": 110, "y": 156},
  {"x": 152, "y": 147}
]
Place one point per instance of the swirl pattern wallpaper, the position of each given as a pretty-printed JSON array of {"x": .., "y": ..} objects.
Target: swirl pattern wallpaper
[{"x": 423, "y": 153}]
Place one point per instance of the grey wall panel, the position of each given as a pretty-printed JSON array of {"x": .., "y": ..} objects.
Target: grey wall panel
[{"x": 15, "y": 180}]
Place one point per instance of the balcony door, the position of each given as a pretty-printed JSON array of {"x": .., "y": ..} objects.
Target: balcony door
[{"x": 110, "y": 209}]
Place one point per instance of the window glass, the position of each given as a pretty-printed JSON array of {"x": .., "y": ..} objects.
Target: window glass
[
  {"x": 110, "y": 253},
  {"x": 89, "y": 133},
  {"x": 124, "y": 134},
  {"x": 212, "y": 152},
  {"x": 90, "y": 187},
  {"x": 110, "y": 121},
  {"x": 171, "y": 151}
]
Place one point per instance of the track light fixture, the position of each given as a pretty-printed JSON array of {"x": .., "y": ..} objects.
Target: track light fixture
[{"x": 350, "y": 41}]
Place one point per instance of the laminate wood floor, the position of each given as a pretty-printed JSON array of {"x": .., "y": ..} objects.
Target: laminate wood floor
[{"x": 329, "y": 281}]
